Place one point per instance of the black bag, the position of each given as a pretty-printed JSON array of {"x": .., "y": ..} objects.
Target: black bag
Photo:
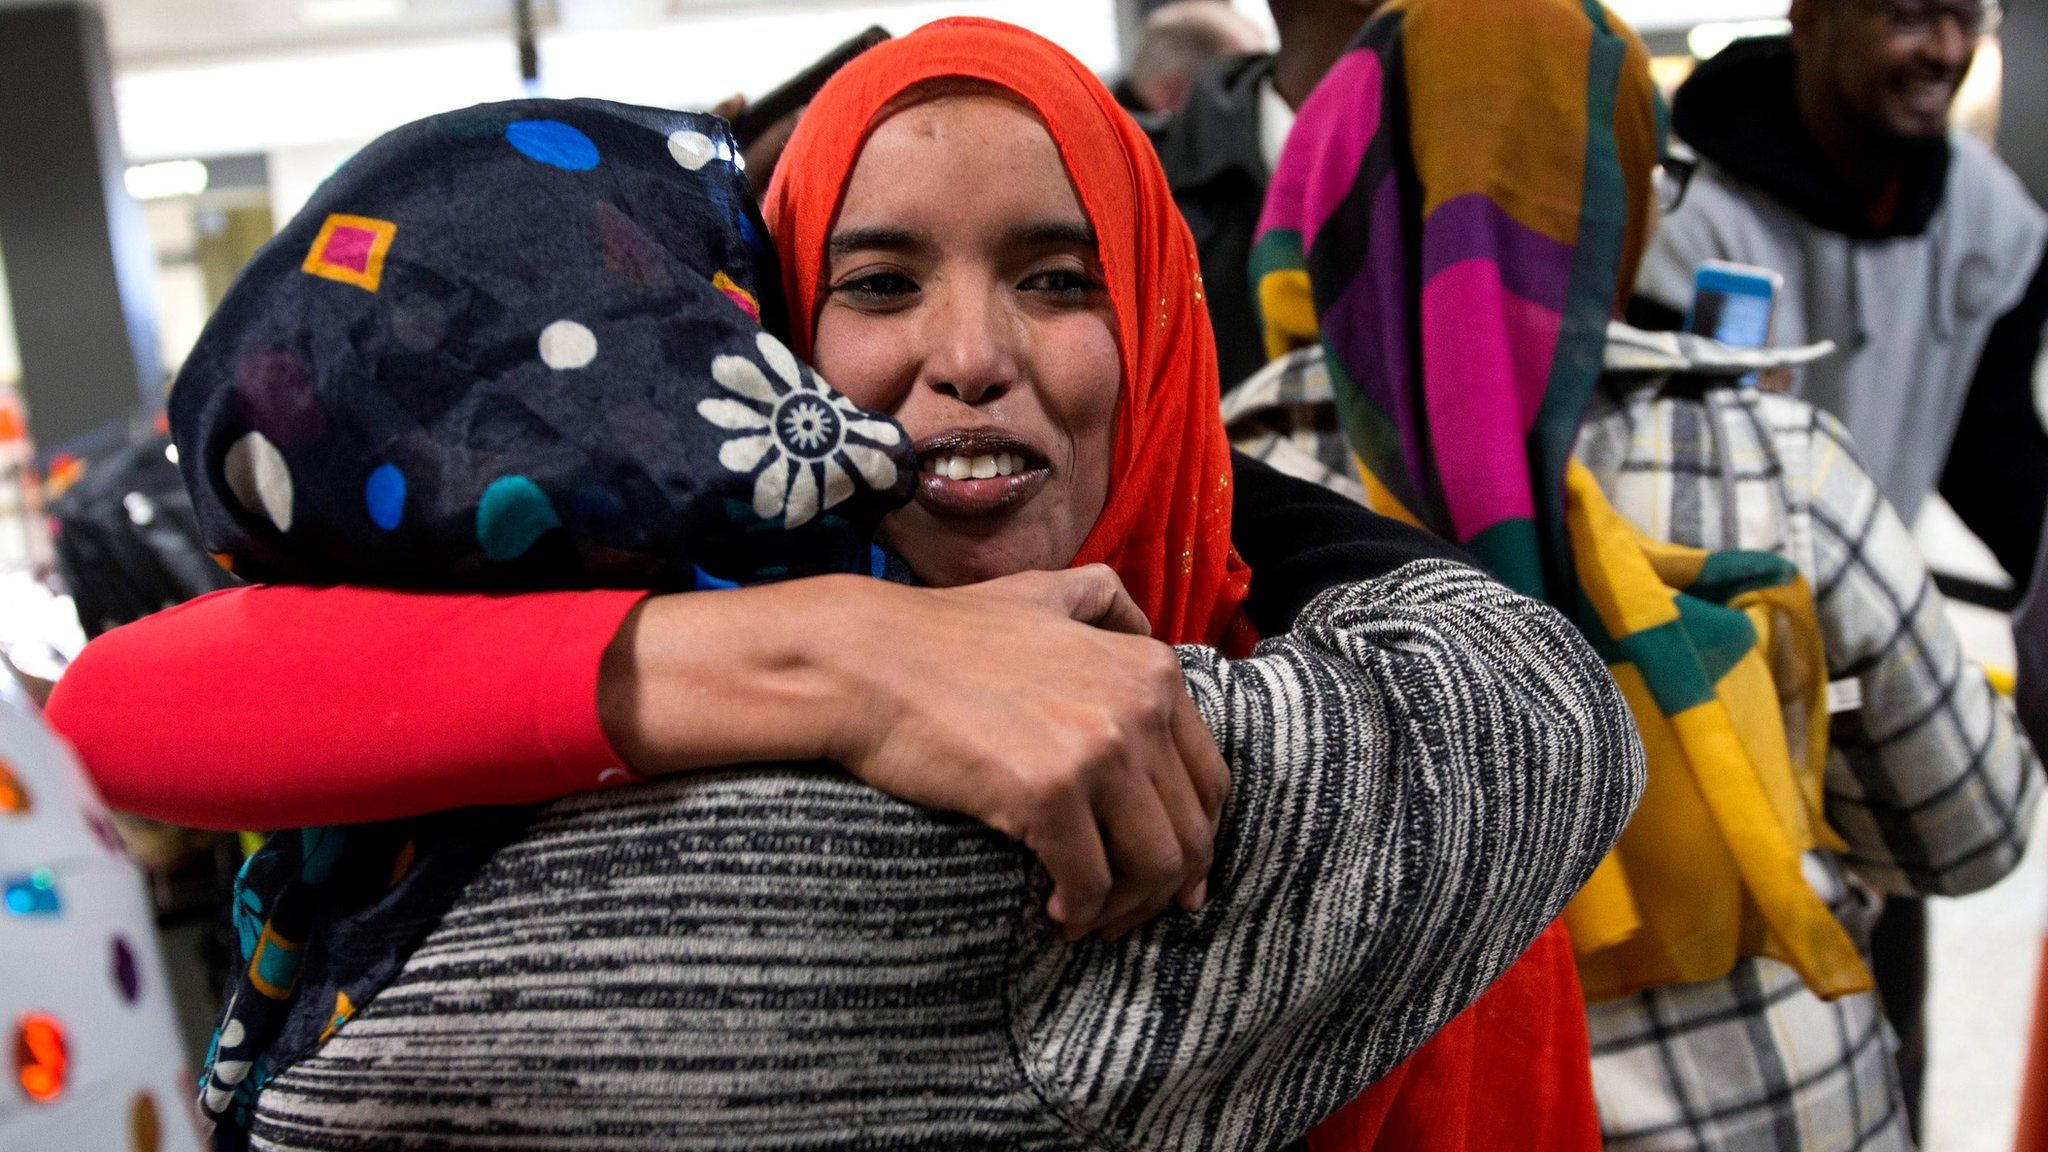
[{"x": 127, "y": 540}]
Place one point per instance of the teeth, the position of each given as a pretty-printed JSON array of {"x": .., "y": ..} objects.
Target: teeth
[{"x": 976, "y": 467}]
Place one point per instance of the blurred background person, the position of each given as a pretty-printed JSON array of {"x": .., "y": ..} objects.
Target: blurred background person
[
  {"x": 1827, "y": 157},
  {"x": 1462, "y": 379},
  {"x": 1179, "y": 42},
  {"x": 1220, "y": 150}
]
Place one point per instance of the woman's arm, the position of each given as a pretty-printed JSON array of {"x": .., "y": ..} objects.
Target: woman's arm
[
  {"x": 276, "y": 707},
  {"x": 1037, "y": 704},
  {"x": 280, "y": 706},
  {"x": 1424, "y": 772}
]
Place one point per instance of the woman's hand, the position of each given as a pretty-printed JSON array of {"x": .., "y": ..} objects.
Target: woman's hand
[
  {"x": 1036, "y": 703},
  {"x": 1039, "y": 704}
]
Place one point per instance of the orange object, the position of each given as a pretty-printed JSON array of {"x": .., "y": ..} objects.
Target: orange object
[
  {"x": 145, "y": 1130},
  {"x": 1503, "y": 1074},
  {"x": 13, "y": 797},
  {"x": 2033, "y": 1126},
  {"x": 65, "y": 469},
  {"x": 351, "y": 249},
  {"x": 40, "y": 1062}
]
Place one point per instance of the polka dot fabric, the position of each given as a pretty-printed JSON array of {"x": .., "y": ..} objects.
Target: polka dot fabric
[
  {"x": 526, "y": 345},
  {"x": 495, "y": 350}
]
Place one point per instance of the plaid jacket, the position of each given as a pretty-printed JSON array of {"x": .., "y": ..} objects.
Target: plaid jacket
[{"x": 1929, "y": 781}]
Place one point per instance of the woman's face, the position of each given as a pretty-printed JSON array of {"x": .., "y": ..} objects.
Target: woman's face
[{"x": 963, "y": 295}]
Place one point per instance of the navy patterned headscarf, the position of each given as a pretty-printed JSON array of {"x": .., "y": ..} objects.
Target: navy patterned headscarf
[{"x": 529, "y": 344}]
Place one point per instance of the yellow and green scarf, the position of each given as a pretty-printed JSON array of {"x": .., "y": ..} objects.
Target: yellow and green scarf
[{"x": 1460, "y": 205}]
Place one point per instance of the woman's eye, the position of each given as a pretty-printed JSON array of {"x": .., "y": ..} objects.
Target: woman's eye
[
  {"x": 878, "y": 286},
  {"x": 1065, "y": 283}
]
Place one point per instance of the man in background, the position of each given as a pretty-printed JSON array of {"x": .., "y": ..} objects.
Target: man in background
[
  {"x": 1220, "y": 150},
  {"x": 1178, "y": 43},
  {"x": 1827, "y": 157}
]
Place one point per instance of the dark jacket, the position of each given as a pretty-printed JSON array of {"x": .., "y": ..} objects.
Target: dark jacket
[{"x": 1211, "y": 155}]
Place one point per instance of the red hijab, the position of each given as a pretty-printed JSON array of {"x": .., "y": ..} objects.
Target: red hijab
[{"x": 1166, "y": 526}]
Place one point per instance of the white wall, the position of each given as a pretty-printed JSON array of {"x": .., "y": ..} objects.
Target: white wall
[
  {"x": 297, "y": 169},
  {"x": 1644, "y": 15},
  {"x": 272, "y": 103}
]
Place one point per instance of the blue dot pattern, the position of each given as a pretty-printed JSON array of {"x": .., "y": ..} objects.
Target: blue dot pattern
[
  {"x": 394, "y": 410},
  {"x": 34, "y": 894},
  {"x": 512, "y": 515},
  {"x": 486, "y": 468},
  {"x": 554, "y": 143},
  {"x": 384, "y": 496}
]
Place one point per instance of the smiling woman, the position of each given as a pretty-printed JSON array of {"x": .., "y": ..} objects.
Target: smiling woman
[{"x": 963, "y": 294}]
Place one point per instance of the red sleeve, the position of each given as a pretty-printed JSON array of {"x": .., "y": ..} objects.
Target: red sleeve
[{"x": 277, "y": 707}]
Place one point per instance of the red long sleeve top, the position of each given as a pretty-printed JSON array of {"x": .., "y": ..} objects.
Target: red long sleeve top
[{"x": 276, "y": 707}]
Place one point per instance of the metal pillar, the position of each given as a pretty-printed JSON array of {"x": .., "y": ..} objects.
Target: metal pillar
[{"x": 80, "y": 271}]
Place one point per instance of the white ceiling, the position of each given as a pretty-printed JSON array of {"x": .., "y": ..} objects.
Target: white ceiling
[
  {"x": 148, "y": 32},
  {"x": 328, "y": 90}
]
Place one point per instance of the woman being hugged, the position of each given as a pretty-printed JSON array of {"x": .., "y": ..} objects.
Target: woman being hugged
[{"x": 978, "y": 243}]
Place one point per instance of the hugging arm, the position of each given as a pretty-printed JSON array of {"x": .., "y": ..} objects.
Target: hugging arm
[
  {"x": 278, "y": 707},
  {"x": 1425, "y": 770}
]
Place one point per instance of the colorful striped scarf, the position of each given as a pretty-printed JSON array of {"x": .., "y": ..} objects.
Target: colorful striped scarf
[{"x": 1460, "y": 206}]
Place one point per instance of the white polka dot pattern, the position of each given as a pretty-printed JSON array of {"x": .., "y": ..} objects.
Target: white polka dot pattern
[
  {"x": 565, "y": 344},
  {"x": 257, "y": 475},
  {"x": 692, "y": 150}
]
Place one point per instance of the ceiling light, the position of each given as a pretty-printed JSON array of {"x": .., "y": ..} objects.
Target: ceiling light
[
  {"x": 166, "y": 179},
  {"x": 347, "y": 13},
  {"x": 1707, "y": 40}
]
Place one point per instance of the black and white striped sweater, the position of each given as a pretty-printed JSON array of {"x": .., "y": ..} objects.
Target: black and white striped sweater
[{"x": 1426, "y": 769}]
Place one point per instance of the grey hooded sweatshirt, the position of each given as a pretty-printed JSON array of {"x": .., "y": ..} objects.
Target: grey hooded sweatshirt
[{"x": 1930, "y": 306}]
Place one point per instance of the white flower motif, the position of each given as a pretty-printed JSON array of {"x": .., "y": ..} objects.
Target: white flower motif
[{"x": 798, "y": 432}]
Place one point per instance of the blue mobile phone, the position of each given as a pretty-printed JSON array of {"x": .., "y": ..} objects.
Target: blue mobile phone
[{"x": 1734, "y": 303}]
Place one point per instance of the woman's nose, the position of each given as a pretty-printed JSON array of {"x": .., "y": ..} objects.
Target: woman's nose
[{"x": 970, "y": 346}]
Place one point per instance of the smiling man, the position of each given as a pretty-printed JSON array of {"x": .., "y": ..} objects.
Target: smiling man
[{"x": 1827, "y": 156}]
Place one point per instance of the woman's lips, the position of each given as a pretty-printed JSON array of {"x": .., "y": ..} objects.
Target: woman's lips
[
  {"x": 978, "y": 473},
  {"x": 945, "y": 496}
]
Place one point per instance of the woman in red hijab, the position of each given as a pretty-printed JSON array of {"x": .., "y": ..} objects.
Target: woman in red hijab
[
  {"x": 975, "y": 157},
  {"x": 980, "y": 243}
]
